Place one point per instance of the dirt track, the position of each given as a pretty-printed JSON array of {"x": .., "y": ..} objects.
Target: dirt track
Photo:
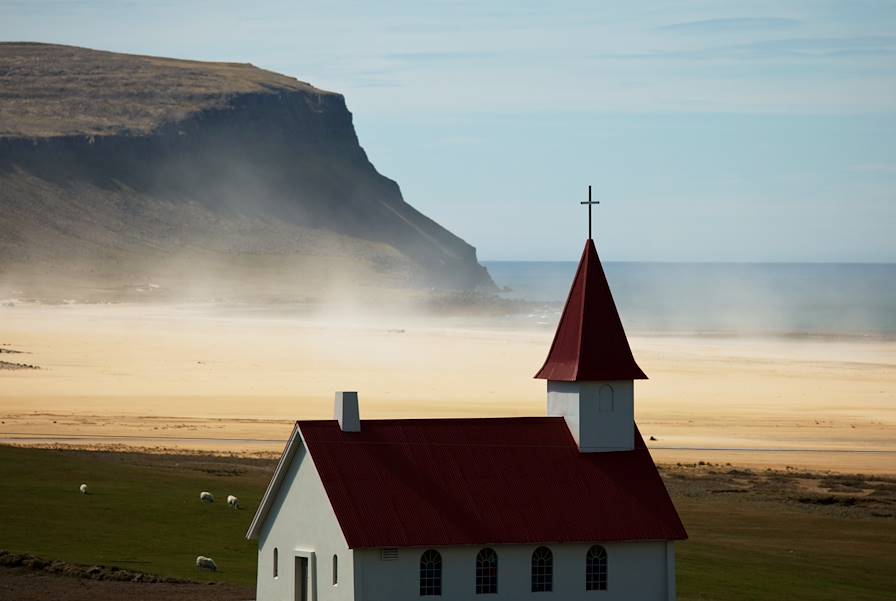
[{"x": 18, "y": 584}]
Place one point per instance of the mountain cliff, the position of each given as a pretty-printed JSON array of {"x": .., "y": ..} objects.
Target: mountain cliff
[{"x": 121, "y": 168}]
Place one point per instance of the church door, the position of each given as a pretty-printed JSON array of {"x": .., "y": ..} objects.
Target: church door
[{"x": 301, "y": 579}]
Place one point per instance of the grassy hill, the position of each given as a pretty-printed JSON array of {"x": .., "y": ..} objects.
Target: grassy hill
[{"x": 69, "y": 91}]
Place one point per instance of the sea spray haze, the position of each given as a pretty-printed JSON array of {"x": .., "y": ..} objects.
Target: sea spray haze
[{"x": 752, "y": 298}]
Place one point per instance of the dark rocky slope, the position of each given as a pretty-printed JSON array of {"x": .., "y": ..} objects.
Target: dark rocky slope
[{"x": 120, "y": 167}]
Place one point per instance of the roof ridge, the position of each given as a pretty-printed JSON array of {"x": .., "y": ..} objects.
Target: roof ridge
[
  {"x": 457, "y": 444},
  {"x": 443, "y": 419},
  {"x": 586, "y": 259}
]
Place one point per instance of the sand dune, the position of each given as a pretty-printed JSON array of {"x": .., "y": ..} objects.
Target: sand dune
[{"x": 230, "y": 378}]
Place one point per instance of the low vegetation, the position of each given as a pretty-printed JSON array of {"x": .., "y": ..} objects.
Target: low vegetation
[
  {"x": 753, "y": 535},
  {"x": 65, "y": 90},
  {"x": 783, "y": 535}
]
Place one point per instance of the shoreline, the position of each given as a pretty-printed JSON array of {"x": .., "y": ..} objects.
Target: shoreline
[
  {"x": 485, "y": 312},
  {"x": 231, "y": 378},
  {"x": 873, "y": 462},
  {"x": 132, "y": 448}
]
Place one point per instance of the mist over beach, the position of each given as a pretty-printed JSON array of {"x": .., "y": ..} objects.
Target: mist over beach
[
  {"x": 767, "y": 365},
  {"x": 762, "y": 365},
  {"x": 775, "y": 299}
]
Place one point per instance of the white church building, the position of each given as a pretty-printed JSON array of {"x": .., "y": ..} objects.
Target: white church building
[{"x": 564, "y": 506}]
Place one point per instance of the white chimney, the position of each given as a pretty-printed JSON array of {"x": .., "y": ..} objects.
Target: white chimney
[{"x": 346, "y": 411}]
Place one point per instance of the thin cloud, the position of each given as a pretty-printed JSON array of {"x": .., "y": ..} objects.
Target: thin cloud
[
  {"x": 800, "y": 48},
  {"x": 429, "y": 57},
  {"x": 874, "y": 168},
  {"x": 737, "y": 24},
  {"x": 376, "y": 83}
]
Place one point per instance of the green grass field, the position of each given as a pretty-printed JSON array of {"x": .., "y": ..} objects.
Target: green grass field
[
  {"x": 141, "y": 517},
  {"x": 144, "y": 514},
  {"x": 764, "y": 550}
]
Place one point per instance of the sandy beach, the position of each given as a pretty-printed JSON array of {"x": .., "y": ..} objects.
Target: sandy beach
[{"x": 233, "y": 379}]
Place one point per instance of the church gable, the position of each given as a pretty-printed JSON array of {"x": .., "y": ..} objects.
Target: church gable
[
  {"x": 295, "y": 488},
  {"x": 298, "y": 532}
]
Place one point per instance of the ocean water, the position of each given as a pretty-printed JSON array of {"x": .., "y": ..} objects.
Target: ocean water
[{"x": 758, "y": 298}]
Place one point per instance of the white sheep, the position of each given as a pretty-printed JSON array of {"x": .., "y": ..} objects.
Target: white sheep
[
  {"x": 83, "y": 489},
  {"x": 233, "y": 502},
  {"x": 206, "y": 563},
  {"x": 206, "y": 497}
]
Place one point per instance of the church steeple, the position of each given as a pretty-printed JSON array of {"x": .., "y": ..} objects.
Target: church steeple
[
  {"x": 590, "y": 343},
  {"x": 590, "y": 368}
]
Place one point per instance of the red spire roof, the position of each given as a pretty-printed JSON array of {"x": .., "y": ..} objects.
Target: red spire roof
[{"x": 590, "y": 343}]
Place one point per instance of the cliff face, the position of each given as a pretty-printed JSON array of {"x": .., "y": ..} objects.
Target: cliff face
[{"x": 103, "y": 166}]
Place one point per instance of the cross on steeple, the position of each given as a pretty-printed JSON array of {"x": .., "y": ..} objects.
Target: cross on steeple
[{"x": 589, "y": 203}]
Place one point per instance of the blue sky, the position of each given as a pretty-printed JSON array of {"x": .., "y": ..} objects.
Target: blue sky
[{"x": 732, "y": 131}]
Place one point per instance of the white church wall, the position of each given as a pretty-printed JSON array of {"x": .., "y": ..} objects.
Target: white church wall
[
  {"x": 600, "y": 414},
  {"x": 301, "y": 523},
  {"x": 637, "y": 570},
  {"x": 671, "y": 590}
]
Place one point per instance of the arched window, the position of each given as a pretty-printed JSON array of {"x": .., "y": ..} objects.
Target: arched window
[
  {"x": 605, "y": 401},
  {"x": 486, "y": 572},
  {"x": 596, "y": 569},
  {"x": 430, "y": 573},
  {"x": 335, "y": 570},
  {"x": 276, "y": 562},
  {"x": 542, "y": 570}
]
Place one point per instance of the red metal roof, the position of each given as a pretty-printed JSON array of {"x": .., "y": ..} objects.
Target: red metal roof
[
  {"x": 590, "y": 343},
  {"x": 436, "y": 482}
]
